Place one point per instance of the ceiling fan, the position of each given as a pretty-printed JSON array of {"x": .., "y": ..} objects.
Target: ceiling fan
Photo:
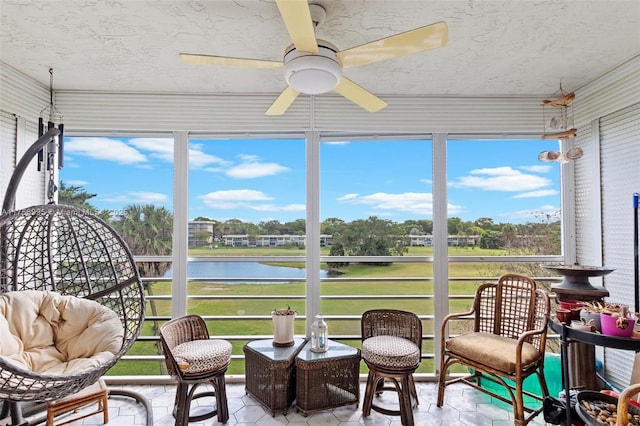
[{"x": 315, "y": 66}]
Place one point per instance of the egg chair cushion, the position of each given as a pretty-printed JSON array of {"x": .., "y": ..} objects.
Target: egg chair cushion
[{"x": 48, "y": 333}]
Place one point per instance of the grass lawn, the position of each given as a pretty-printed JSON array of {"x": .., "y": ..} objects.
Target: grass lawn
[{"x": 286, "y": 292}]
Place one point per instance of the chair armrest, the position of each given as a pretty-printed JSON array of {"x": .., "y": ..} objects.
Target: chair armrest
[
  {"x": 526, "y": 335},
  {"x": 623, "y": 403},
  {"x": 522, "y": 337},
  {"x": 445, "y": 321},
  {"x": 455, "y": 315}
]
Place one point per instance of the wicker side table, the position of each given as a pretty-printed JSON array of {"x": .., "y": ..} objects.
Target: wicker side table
[
  {"x": 270, "y": 373},
  {"x": 328, "y": 379}
]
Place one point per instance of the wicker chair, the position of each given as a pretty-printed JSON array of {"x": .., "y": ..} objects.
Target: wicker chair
[
  {"x": 65, "y": 250},
  {"x": 391, "y": 348},
  {"x": 507, "y": 343},
  {"x": 194, "y": 359}
]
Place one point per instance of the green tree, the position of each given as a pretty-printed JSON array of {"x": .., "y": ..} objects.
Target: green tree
[
  {"x": 337, "y": 249},
  {"x": 297, "y": 227},
  {"x": 204, "y": 237},
  {"x": 147, "y": 229},
  {"x": 372, "y": 237},
  {"x": 75, "y": 196},
  {"x": 454, "y": 226},
  {"x": 332, "y": 226},
  {"x": 509, "y": 235},
  {"x": 270, "y": 227},
  {"x": 490, "y": 240},
  {"x": 485, "y": 223}
]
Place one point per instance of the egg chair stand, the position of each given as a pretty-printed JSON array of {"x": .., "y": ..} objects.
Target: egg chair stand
[{"x": 67, "y": 253}]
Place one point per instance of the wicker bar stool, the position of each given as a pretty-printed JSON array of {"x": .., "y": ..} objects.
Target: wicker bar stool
[
  {"x": 391, "y": 348},
  {"x": 194, "y": 359}
]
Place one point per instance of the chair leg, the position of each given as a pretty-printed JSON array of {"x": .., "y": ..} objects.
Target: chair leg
[
  {"x": 404, "y": 395},
  {"x": 368, "y": 394},
  {"x": 441, "y": 382},
  {"x": 518, "y": 406},
  {"x": 221, "y": 398},
  {"x": 104, "y": 404},
  {"x": 543, "y": 382},
  {"x": 181, "y": 408},
  {"x": 414, "y": 393}
]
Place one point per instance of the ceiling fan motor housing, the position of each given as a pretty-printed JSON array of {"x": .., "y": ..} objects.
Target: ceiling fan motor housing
[{"x": 312, "y": 73}]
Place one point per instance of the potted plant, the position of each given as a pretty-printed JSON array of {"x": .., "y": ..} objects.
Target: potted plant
[
  {"x": 616, "y": 320},
  {"x": 283, "y": 326},
  {"x": 590, "y": 312}
]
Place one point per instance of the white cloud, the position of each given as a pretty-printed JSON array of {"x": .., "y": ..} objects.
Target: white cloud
[
  {"x": 233, "y": 198},
  {"x": 501, "y": 179},
  {"x": 538, "y": 169},
  {"x": 254, "y": 170},
  {"x": 541, "y": 214},
  {"x": 162, "y": 148},
  {"x": 274, "y": 208},
  {"x": 150, "y": 197},
  {"x": 410, "y": 202},
  {"x": 76, "y": 182},
  {"x": 236, "y": 195},
  {"x": 540, "y": 193},
  {"x": 139, "y": 197},
  {"x": 348, "y": 197},
  {"x": 246, "y": 199},
  {"x": 105, "y": 149}
]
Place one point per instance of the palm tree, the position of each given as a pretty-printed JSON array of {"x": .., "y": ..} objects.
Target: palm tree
[{"x": 147, "y": 229}]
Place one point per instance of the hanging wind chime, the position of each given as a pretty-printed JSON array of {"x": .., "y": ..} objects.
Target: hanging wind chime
[
  {"x": 52, "y": 148},
  {"x": 560, "y": 127}
]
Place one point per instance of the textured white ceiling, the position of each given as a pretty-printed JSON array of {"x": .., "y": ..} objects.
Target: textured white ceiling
[{"x": 495, "y": 47}]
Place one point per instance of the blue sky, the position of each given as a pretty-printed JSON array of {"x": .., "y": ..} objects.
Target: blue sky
[{"x": 258, "y": 180}]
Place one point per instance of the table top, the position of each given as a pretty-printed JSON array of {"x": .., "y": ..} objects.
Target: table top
[
  {"x": 275, "y": 353},
  {"x": 597, "y": 339},
  {"x": 334, "y": 350}
]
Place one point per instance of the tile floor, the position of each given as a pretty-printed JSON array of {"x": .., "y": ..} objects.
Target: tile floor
[{"x": 464, "y": 406}]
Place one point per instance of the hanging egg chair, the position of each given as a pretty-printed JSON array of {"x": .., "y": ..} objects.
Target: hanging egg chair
[
  {"x": 71, "y": 300},
  {"x": 64, "y": 250}
]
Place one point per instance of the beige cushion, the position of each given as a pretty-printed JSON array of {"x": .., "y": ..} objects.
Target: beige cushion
[
  {"x": 200, "y": 356},
  {"x": 390, "y": 352},
  {"x": 48, "y": 333},
  {"x": 498, "y": 352}
]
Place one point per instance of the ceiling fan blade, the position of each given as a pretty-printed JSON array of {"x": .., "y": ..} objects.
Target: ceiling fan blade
[
  {"x": 229, "y": 62},
  {"x": 407, "y": 43},
  {"x": 297, "y": 18},
  {"x": 283, "y": 102},
  {"x": 359, "y": 95}
]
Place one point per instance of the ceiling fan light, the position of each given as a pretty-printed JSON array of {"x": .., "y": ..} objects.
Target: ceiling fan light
[{"x": 312, "y": 74}]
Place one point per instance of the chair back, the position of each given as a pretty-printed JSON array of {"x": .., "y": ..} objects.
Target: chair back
[
  {"x": 178, "y": 331},
  {"x": 511, "y": 307},
  {"x": 183, "y": 329},
  {"x": 392, "y": 322}
]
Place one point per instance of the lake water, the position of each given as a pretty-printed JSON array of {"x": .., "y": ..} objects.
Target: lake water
[{"x": 249, "y": 270}]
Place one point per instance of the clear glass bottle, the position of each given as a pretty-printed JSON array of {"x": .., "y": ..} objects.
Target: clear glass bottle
[{"x": 319, "y": 335}]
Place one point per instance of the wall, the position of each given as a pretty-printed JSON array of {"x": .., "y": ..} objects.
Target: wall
[
  {"x": 21, "y": 102},
  {"x": 608, "y": 119}
]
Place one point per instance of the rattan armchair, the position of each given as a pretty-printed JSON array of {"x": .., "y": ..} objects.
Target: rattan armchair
[{"x": 507, "y": 343}]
